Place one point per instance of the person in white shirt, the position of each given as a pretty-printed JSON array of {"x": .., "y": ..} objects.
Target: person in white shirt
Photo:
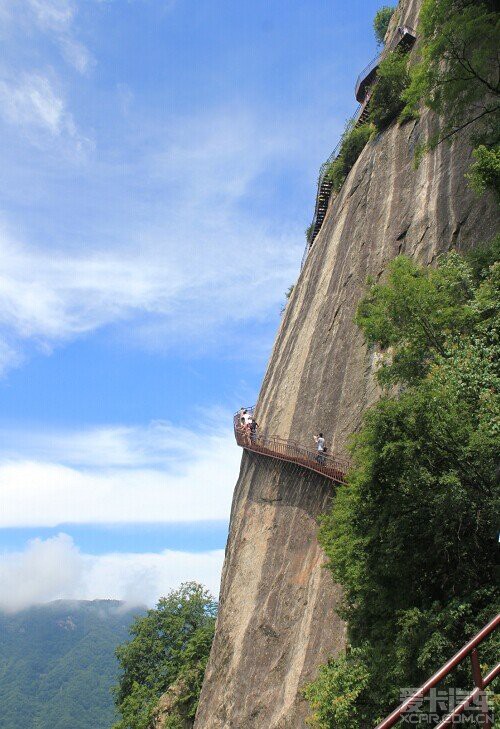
[{"x": 320, "y": 443}]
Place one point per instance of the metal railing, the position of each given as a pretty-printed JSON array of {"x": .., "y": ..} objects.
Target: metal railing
[
  {"x": 403, "y": 35},
  {"x": 324, "y": 189},
  {"x": 288, "y": 450},
  {"x": 480, "y": 682},
  {"x": 364, "y": 75}
]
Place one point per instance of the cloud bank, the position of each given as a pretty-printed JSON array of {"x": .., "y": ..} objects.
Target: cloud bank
[
  {"x": 55, "y": 568},
  {"x": 117, "y": 475}
]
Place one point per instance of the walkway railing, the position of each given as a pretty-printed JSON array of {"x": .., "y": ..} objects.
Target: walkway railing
[
  {"x": 404, "y": 37},
  {"x": 477, "y": 696},
  {"x": 289, "y": 450}
]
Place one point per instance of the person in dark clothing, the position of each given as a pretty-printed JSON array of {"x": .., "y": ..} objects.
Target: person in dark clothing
[{"x": 253, "y": 425}]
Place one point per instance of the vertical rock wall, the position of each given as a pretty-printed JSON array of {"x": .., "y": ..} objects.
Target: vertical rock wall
[{"x": 277, "y": 619}]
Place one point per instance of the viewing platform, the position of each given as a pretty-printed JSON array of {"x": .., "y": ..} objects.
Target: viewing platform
[
  {"x": 403, "y": 38},
  {"x": 290, "y": 451}
]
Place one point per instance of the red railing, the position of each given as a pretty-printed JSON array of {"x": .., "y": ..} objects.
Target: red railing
[
  {"x": 288, "y": 450},
  {"x": 481, "y": 682}
]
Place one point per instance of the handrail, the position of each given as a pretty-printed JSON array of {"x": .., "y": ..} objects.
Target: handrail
[
  {"x": 288, "y": 450},
  {"x": 405, "y": 35},
  {"x": 480, "y": 683},
  {"x": 321, "y": 187},
  {"x": 364, "y": 74}
]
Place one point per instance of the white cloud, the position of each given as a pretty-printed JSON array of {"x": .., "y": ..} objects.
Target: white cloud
[
  {"x": 53, "y": 296},
  {"x": 76, "y": 54},
  {"x": 119, "y": 475},
  {"x": 171, "y": 253},
  {"x": 53, "y": 18},
  {"x": 54, "y": 15},
  {"x": 9, "y": 357},
  {"x": 33, "y": 102},
  {"x": 55, "y": 568},
  {"x": 197, "y": 271},
  {"x": 33, "y": 106}
]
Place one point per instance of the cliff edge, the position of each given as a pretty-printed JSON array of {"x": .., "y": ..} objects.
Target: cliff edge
[{"x": 277, "y": 619}]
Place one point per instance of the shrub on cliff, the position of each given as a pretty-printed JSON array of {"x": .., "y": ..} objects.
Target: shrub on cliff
[
  {"x": 412, "y": 536},
  {"x": 170, "y": 646},
  {"x": 484, "y": 174},
  {"x": 352, "y": 144},
  {"x": 392, "y": 79},
  {"x": 381, "y": 22}
]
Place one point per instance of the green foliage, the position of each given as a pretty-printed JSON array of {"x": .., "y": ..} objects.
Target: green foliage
[
  {"x": 392, "y": 79},
  {"x": 333, "y": 694},
  {"x": 57, "y": 664},
  {"x": 353, "y": 143},
  {"x": 414, "y": 313},
  {"x": 381, "y": 22},
  {"x": 170, "y": 645},
  {"x": 412, "y": 536},
  {"x": 457, "y": 75},
  {"x": 288, "y": 293},
  {"x": 485, "y": 172},
  {"x": 482, "y": 257}
]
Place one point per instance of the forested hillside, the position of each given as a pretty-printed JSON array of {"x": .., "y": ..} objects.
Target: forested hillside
[{"x": 57, "y": 664}]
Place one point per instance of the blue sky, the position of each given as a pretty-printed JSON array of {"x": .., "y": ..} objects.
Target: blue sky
[{"x": 159, "y": 168}]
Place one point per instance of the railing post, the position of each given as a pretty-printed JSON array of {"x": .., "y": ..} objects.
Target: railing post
[{"x": 478, "y": 681}]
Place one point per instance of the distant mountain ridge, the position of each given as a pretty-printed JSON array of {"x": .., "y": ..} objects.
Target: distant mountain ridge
[{"x": 57, "y": 663}]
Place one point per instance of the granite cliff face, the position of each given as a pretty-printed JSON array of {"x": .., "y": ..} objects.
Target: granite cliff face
[{"x": 277, "y": 618}]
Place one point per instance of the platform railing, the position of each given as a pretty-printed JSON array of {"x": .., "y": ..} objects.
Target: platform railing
[
  {"x": 406, "y": 709},
  {"x": 402, "y": 33},
  {"x": 288, "y": 450}
]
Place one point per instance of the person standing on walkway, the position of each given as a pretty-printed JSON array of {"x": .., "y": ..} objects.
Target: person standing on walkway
[
  {"x": 320, "y": 444},
  {"x": 253, "y": 430}
]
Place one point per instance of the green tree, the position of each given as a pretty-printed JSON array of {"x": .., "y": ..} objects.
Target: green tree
[
  {"x": 386, "y": 101},
  {"x": 334, "y": 694},
  {"x": 170, "y": 644},
  {"x": 458, "y": 74},
  {"x": 381, "y": 22},
  {"x": 412, "y": 536},
  {"x": 485, "y": 172}
]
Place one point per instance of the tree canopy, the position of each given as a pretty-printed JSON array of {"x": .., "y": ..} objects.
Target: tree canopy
[
  {"x": 412, "y": 536},
  {"x": 170, "y": 645},
  {"x": 458, "y": 77},
  {"x": 458, "y": 73}
]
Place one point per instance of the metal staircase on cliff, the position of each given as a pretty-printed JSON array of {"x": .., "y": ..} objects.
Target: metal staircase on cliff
[
  {"x": 288, "y": 450},
  {"x": 475, "y": 699},
  {"x": 403, "y": 38}
]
